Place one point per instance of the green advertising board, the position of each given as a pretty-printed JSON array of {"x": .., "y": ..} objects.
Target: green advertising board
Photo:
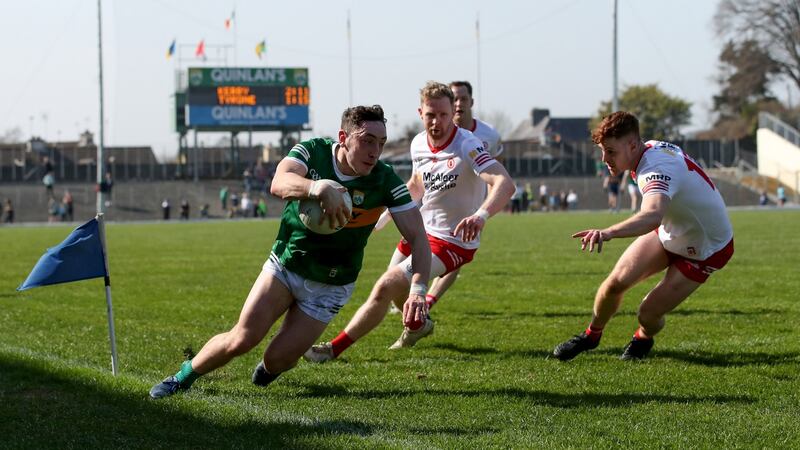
[{"x": 247, "y": 76}]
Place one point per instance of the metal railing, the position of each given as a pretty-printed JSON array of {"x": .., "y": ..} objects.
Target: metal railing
[{"x": 779, "y": 127}]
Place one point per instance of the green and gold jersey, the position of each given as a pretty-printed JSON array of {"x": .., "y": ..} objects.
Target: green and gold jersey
[{"x": 336, "y": 258}]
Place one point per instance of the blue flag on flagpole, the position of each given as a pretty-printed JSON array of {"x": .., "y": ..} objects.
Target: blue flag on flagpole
[{"x": 79, "y": 257}]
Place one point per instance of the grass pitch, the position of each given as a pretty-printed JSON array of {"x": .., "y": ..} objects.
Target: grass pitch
[{"x": 723, "y": 373}]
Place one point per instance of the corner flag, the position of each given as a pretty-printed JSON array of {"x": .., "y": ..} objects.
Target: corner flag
[{"x": 81, "y": 256}]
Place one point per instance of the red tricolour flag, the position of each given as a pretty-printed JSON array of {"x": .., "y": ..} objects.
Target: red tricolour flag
[{"x": 200, "y": 51}]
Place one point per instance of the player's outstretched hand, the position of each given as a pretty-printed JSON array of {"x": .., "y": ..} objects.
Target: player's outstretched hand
[
  {"x": 333, "y": 206},
  {"x": 591, "y": 238},
  {"x": 469, "y": 227},
  {"x": 415, "y": 310}
]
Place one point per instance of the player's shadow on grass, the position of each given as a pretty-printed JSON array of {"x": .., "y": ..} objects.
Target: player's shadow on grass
[
  {"x": 712, "y": 359},
  {"x": 531, "y": 273},
  {"x": 537, "y": 397},
  {"x": 466, "y": 350},
  {"x": 734, "y": 359},
  {"x": 678, "y": 312},
  {"x": 55, "y": 407},
  {"x": 480, "y": 351}
]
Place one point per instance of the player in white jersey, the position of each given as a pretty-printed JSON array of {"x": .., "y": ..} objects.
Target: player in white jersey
[
  {"x": 489, "y": 137},
  {"x": 490, "y": 140},
  {"x": 682, "y": 227},
  {"x": 450, "y": 172}
]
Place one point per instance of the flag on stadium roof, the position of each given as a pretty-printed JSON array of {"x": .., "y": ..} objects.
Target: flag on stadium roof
[
  {"x": 230, "y": 19},
  {"x": 171, "y": 49},
  {"x": 79, "y": 257},
  {"x": 200, "y": 51},
  {"x": 261, "y": 48}
]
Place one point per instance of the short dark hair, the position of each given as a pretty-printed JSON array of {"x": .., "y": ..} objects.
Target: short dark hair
[
  {"x": 615, "y": 125},
  {"x": 354, "y": 117},
  {"x": 465, "y": 84}
]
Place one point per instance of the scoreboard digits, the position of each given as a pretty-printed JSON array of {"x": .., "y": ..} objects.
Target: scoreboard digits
[
  {"x": 247, "y": 95},
  {"x": 296, "y": 95}
]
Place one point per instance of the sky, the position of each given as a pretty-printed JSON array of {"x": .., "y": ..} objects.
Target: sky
[{"x": 554, "y": 54}]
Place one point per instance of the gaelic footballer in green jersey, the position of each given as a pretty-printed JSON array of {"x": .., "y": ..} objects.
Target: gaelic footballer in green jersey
[
  {"x": 336, "y": 258},
  {"x": 450, "y": 176},
  {"x": 309, "y": 277}
]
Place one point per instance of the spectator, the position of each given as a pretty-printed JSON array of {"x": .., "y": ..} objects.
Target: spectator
[
  {"x": 105, "y": 188},
  {"x": 572, "y": 199},
  {"x": 543, "y": 199},
  {"x": 49, "y": 181},
  {"x": 47, "y": 165},
  {"x": 516, "y": 198},
  {"x": 632, "y": 188},
  {"x": 611, "y": 185},
  {"x": 66, "y": 200},
  {"x": 781, "y": 196},
  {"x": 204, "y": 211},
  {"x": 248, "y": 180},
  {"x": 763, "y": 200},
  {"x": 8, "y": 211},
  {"x": 562, "y": 199},
  {"x": 184, "y": 209},
  {"x": 223, "y": 198},
  {"x": 52, "y": 210},
  {"x": 49, "y": 178},
  {"x": 260, "y": 175},
  {"x": 165, "y": 207},
  {"x": 554, "y": 201},
  {"x": 246, "y": 205},
  {"x": 262, "y": 208},
  {"x": 234, "y": 205},
  {"x": 527, "y": 195}
]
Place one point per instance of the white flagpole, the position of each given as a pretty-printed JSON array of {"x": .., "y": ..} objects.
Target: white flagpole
[
  {"x": 615, "y": 98},
  {"x": 101, "y": 165},
  {"x": 349, "y": 60},
  {"x": 235, "y": 28},
  {"x": 109, "y": 307}
]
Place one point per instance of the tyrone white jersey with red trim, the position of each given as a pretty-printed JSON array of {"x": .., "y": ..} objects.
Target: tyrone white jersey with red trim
[
  {"x": 488, "y": 136},
  {"x": 696, "y": 224},
  {"x": 449, "y": 174}
]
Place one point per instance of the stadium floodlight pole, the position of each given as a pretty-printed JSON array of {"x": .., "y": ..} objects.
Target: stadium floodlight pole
[
  {"x": 235, "y": 30},
  {"x": 349, "y": 59},
  {"x": 195, "y": 158},
  {"x": 100, "y": 143},
  {"x": 478, "y": 41},
  {"x": 615, "y": 98}
]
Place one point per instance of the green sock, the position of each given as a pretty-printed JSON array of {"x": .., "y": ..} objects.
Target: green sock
[{"x": 186, "y": 376}]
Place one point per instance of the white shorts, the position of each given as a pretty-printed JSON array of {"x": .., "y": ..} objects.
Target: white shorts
[
  {"x": 633, "y": 190},
  {"x": 319, "y": 300}
]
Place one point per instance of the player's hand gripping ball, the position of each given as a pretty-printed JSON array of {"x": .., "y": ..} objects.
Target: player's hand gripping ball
[{"x": 311, "y": 211}]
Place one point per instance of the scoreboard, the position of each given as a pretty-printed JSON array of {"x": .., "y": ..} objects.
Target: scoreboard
[{"x": 257, "y": 98}]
